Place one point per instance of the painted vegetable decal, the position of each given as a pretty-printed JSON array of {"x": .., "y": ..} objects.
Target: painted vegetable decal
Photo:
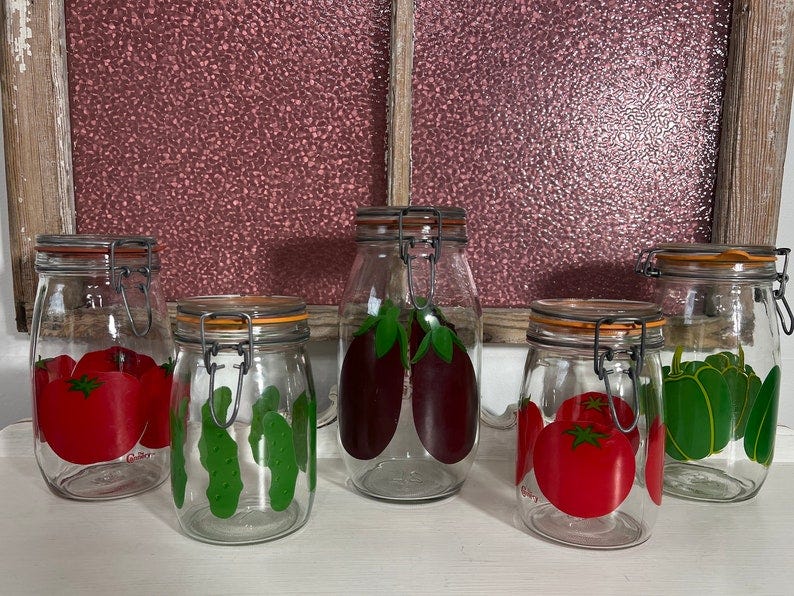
[
  {"x": 218, "y": 455},
  {"x": 584, "y": 469},
  {"x": 697, "y": 409},
  {"x": 46, "y": 370},
  {"x": 530, "y": 423},
  {"x": 156, "y": 393},
  {"x": 93, "y": 418},
  {"x": 178, "y": 419},
  {"x": 443, "y": 385},
  {"x": 759, "y": 436},
  {"x": 444, "y": 388},
  {"x": 371, "y": 383},
  {"x": 709, "y": 403},
  {"x": 275, "y": 444},
  {"x": 593, "y": 406},
  {"x": 743, "y": 386},
  {"x": 654, "y": 462},
  {"x": 143, "y": 393}
]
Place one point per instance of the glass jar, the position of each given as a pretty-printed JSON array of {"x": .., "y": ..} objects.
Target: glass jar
[
  {"x": 101, "y": 359},
  {"x": 243, "y": 419},
  {"x": 722, "y": 365},
  {"x": 590, "y": 440},
  {"x": 409, "y": 352}
]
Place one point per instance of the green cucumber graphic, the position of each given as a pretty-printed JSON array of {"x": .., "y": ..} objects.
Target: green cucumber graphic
[
  {"x": 218, "y": 455},
  {"x": 178, "y": 472},
  {"x": 268, "y": 402},
  {"x": 281, "y": 460}
]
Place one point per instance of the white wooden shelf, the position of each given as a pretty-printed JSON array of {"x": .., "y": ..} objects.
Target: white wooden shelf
[{"x": 471, "y": 542}]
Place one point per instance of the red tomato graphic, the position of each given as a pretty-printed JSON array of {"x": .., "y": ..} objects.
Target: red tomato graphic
[
  {"x": 530, "y": 423},
  {"x": 114, "y": 359},
  {"x": 584, "y": 469},
  {"x": 44, "y": 371},
  {"x": 156, "y": 392},
  {"x": 92, "y": 418},
  {"x": 594, "y": 407},
  {"x": 654, "y": 464}
]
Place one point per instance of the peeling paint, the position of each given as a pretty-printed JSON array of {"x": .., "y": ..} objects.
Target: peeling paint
[{"x": 18, "y": 32}]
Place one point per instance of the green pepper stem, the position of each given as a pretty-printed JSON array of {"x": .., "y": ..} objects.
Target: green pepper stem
[{"x": 675, "y": 367}]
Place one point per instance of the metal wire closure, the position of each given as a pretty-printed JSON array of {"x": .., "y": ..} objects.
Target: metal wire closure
[
  {"x": 780, "y": 293},
  {"x": 432, "y": 258},
  {"x": 636, "y": 354},
  {"x": 243, "y": 348},
  {"x": 122, "y": 272}
]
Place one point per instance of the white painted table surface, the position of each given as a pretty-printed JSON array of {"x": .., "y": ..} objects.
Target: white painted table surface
[{"x": 471, "y": 542}]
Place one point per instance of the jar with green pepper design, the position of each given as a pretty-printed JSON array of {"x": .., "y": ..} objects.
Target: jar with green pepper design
[
  {"x": 590, "y": 436},
  {"x": 409, "y": 354},
  {"x": 243, "y": 419},
  {"x": 722, "y": 364}
]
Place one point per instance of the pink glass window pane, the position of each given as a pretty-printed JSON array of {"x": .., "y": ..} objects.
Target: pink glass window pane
[{"x": 244, "y": 134}]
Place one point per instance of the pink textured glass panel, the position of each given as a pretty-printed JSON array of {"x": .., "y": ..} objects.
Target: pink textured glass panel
[
  {"x": 242, "y": 133},
  {"x": 575, "y": 132}
]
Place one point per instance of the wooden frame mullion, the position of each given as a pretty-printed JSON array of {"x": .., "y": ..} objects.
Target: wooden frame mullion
[{"x": 756, "y": 112}]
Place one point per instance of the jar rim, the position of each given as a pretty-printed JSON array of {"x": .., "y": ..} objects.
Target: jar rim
[
  {"x": 412, "y": 222},
  {"x": 95, "y": 243},
  {"x": 263, "y": 310},
  {"x": 580, "y": 321},
  {"x": 712, "y": 261}
]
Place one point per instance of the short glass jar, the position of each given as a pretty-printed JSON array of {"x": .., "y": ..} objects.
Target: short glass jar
[
  {"x": 101, "y": 358},
  {"x": 590, "y": 440},
  {"x": 409, "y": 351},
  {"x": 243, "y": 419},
  {"x": 722, "y": 364}
]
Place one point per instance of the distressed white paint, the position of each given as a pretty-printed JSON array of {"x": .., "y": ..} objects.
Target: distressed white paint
[{"x": 18, "y": 32}]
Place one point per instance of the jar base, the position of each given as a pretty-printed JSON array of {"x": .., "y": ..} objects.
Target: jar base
[
  {"x": 249, "y": 525},
  {"x": 109, "y": 481},
  {"x": 616, "y": 530},
  {"x": 703, "y": 483},
  {"x": 408, "y": 480}
]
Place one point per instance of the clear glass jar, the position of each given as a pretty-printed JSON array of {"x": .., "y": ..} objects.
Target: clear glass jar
[
  {"x": 722, "y": 365},
  {"x": 101, "y": 358},
  {"x": 243, "y": 419},
  {"x": 409, "y": 352},
  {"x": 590, "y": 440}
]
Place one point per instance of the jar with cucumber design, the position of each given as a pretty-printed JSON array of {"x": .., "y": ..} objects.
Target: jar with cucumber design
[
  {"x": 243, "y": 419},
  {"x": 722, "y": 364}
]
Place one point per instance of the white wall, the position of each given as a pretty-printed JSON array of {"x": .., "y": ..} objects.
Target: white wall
[{"x": 502, "y": 366}]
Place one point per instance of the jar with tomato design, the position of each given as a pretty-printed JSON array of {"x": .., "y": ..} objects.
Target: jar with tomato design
[
  {"x": 722, "y": 364},
  {"x": 590, "y": 439},
  {"x": 243, "y": 419},
  {"x": 101, "y": 363},
  {"x": 409, "y": 354}
]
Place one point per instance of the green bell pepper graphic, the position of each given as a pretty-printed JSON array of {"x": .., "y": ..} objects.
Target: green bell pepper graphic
[
  {"x": 697, "y": 409},
  {"x": 743, "y": 385},
  {"x": 759, "y": 438}
]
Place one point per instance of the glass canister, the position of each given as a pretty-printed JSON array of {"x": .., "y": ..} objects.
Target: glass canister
[
  {"x": 243, "y": 419},
  {"x": 409, "y": 352},
  {"x": 590, "y": 437},
  {"x": 722, "y": 364},
  {"x": 101, "y": 362}
]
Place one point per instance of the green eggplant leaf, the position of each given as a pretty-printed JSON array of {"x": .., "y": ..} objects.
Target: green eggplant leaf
[
  {"x": 385, "y": 335},
  {"x": 441, "y": 338},
  {"x": 422, "y": 349}
]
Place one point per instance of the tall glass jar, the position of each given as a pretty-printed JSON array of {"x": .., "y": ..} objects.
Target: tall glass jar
[
  {"x": 409, "y": 352},
  {"x": 101, "y": 357},
  {"x": 590, "y": 448},
  {"x": 722, "y": 365},
  {"x": 243, "y": 419}
]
